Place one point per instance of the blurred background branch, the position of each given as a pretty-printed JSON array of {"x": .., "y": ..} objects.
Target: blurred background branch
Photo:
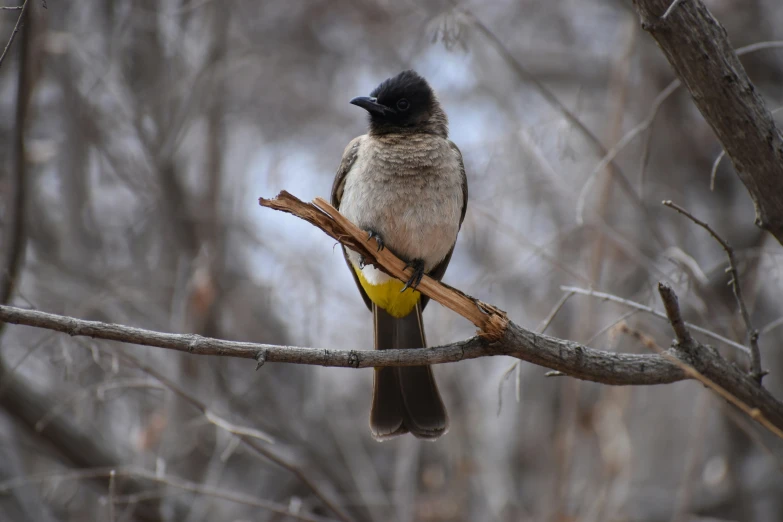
[
  {"x": 698, "y": 49},
  {"x": 150, "y": 127}
]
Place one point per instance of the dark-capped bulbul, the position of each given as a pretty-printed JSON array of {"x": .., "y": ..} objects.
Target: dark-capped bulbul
[{"x": 404, "y": 183}]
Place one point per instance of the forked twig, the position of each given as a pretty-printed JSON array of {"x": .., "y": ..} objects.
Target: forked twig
[
  {"x": 693, "y": 373},
  {"x": 752, "y": 333}
]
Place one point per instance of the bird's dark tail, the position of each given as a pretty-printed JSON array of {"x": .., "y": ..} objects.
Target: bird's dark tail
[{"x": 404, "y": 399}]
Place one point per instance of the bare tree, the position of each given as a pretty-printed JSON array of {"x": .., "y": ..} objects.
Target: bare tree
[{"x": 136, "y": 138}]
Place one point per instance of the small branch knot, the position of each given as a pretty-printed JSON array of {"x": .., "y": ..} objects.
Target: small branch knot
[
  {"x": 353, "y": 359},
  {"x": 260, "y": 359},
  {"x": 672, "y": 306},
  {"x": 194, "y": 342},
  {"x": 73, "y": 328},
  {"x": 650, "y": 26}
]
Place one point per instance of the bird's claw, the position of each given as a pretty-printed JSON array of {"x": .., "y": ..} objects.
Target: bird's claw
[
  {"x": 416, "y": 276},
  {"x": 378, "y": 239}
]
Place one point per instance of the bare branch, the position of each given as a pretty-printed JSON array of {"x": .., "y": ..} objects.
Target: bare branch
[
  {"x": 14, "y": 236},
  {"x": 698, "y": 48},
  {"x": 248, "y": 436},
  {"x": 753, "y": 334},
  {"x": 155, "y": 477},
  {"x": 671, "y": 8},
  {"x": 516, "y": 366},
  {"x": 18, "y": 24},
  {"x": 693, "y": 373},
  {"x": 568, "y": 357},
  {"x": 714, "y": 169},
  {"x": 672, "y": 306},
  {"x": 552, "y": 100},
  {"x": 112, "y": 494},
  {"x": 656, "y": 313}
]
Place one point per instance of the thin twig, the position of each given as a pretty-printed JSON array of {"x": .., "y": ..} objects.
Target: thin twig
[
  {"x": 759, "y": 46},
  {"x": 237, "y": 430},
  {"x": 14, "y": 234},
  {"x": 84, "y": 393},
  {"x": 112, "y": 493},
  {"x": 671, "y": 8},
  {"x": 163, "y": 479},
  {"x": 741, "y": 421},
  {"x": 694, "y": 455},
  {"x": 714, "y": 169},
  {"x": 646, "y": 127},
  {"x": 693, "y": 373},
  {"x": 514, "y": 366},
  {"x": 672, "y": 306},
  {"x": 771, "y": 326},
  {"x": 611, "y": 325},
  {"x": 248, "y": 436},
  {"x": 552, "y": 99},
  {"x": 544, "y": 325},
  {"x": 541, "y": 328},
  {"x": 18, "y": 24},
  {"x": 663, "y": 96},
  {"x": 656, "y": 313},
  {"x": 752, "y": 334}
]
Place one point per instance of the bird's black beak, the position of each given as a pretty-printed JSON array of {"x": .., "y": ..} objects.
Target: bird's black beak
[{"x": 371, "y": 105}]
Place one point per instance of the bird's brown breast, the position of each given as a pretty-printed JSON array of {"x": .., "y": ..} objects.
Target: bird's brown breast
[{"x": 407, "y": 188}]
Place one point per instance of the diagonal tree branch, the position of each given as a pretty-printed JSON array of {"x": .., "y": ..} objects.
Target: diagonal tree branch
[
  {"x": 14, "y": 237},
  {"x": 490, "y": 320},
  {"x": 22, "y": 8},
  {"x": 698, "y": 49}
]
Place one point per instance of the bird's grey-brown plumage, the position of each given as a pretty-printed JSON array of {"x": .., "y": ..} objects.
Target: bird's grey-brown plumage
[{"x": 405, "y": 182}]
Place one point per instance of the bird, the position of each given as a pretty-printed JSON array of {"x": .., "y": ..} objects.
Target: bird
[{"x": 404, "y": 183}]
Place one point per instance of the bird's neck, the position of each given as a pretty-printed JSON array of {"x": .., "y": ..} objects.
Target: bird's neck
[{"x": 382, "y": 130}]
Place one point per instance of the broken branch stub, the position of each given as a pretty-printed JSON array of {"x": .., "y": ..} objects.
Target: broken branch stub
[{"x": 490, "y": 321}]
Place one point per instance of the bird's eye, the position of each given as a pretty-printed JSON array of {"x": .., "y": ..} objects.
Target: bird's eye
[{"x": 403, "y": 104}]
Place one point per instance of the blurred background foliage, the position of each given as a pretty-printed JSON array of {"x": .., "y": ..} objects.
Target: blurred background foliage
[{"x": 151, "y": 128}]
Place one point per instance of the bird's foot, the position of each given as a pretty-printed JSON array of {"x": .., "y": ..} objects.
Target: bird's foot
[
  {"x": 418, "y": 273},
  {"x": 378, "y": 239}
]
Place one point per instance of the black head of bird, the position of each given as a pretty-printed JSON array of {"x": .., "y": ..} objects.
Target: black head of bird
[{"x": 403, "y": 104}]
